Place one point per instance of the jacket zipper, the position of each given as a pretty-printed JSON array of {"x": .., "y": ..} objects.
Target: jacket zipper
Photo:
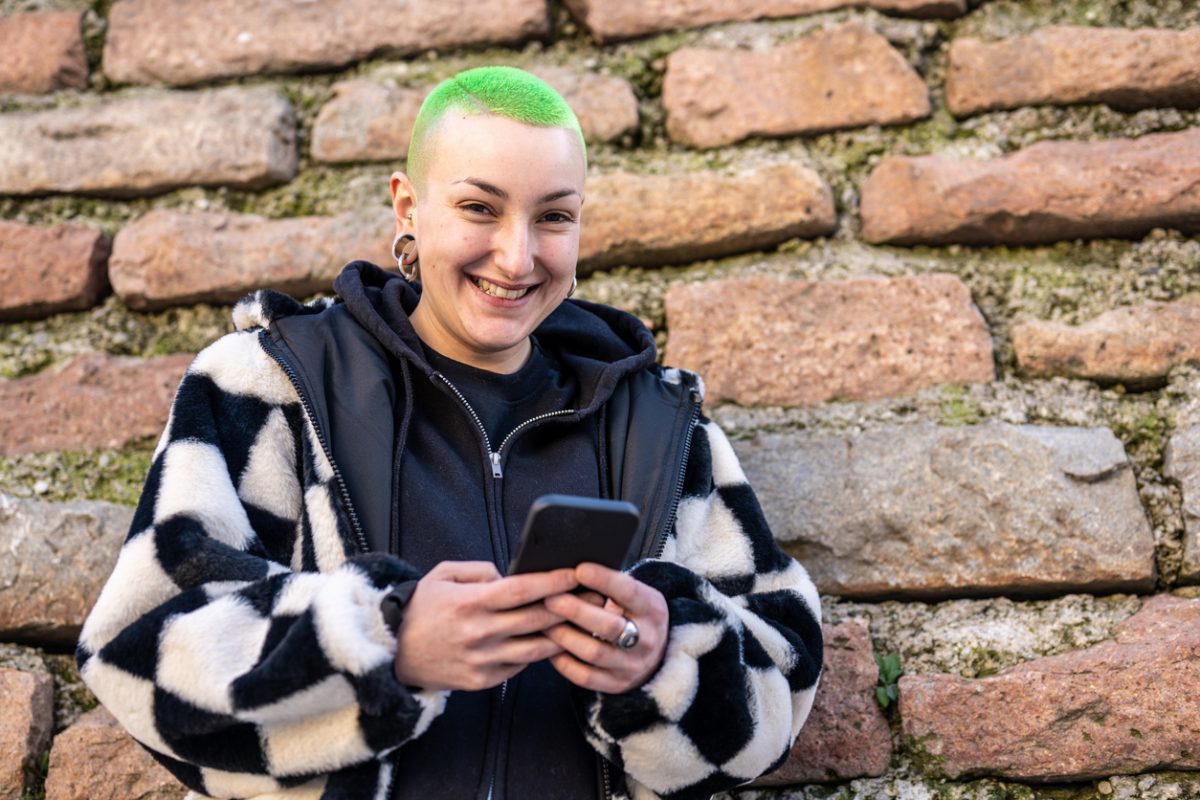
[
  {"x": 494, "y": 455},
  {"x": 343, "y": 492},
  {"x": 659, "y": 542}
]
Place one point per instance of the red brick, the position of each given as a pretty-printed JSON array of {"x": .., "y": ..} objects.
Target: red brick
[
  {"x": 187, "y": 41},
  {"x": 840, "y": 78},
  {"x": 846, "y": 735},
  {"x": 26, "y": 718},
  {"x": 371, "y": 121},
  {"x": 92, "y": 402},
  {"x": 639, "y": 219},
  {"x": 1132, "y": 345},
  {"x": 95, "y": 759},
  {"x": 764, "y": 341},
  {"x": 47, "y": 270},
  {"x": 145, "y": 143},
  {"x": 1046, "y": 192},
  {"x": 1123, "y": 706},
  {"x": 609, "y": 20},
  {"x": 171, "y": 258},
  {"x": 1060, "y": 64},
  {"x": 42, "y": 52}
]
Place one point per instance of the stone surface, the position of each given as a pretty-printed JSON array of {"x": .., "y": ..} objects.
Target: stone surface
[
  {"x": 58, "y": 556},
  {"x": 929, "y": 512},
  {"x": 92, "y": 402},
  {"x": 95, "y": 759},
  {"x": 839, "y": 78},
  {"x": 46, "y": 270},
  {"x": 1182, "y": 464},
  {"x": 42, "y": 52},
  {"x": 140, "y": 144},
  {"x": 1124, "y": 706},
  {"x": 609, "y": 20},
  {"x": 638, "y": 219},
  {"x": 765, "y": 341},
  {"x": 371, "y": 121},
  {"x": 187, "y": 41},
  {"x": 846, "y": 735},
  {"x": 1043, "y": 193},
  {"x": 1133, "y": 345},
  {"x": 26, "y": 720},
  {"x": 172, "y": 258},
  {"x": 1060, "y": 64}
]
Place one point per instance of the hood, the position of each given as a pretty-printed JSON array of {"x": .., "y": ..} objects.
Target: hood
[{"x": 599, "y": 344}]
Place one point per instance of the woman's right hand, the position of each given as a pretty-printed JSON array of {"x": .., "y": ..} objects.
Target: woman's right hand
[{"x": 466, "y": 627}]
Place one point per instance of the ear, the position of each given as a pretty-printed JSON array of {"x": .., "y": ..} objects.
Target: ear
[{"x": 404, "y": 201}]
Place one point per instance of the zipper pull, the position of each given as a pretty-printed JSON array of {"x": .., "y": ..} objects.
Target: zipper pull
[{"x": 496, "y": 471}]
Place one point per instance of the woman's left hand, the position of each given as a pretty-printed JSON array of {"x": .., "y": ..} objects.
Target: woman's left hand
[{"x": 591, "y": 657}]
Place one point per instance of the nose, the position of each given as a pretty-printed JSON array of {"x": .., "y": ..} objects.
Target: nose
[{"x": 514, "y": 250}]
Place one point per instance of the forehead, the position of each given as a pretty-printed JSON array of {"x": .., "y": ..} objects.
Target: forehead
[{"x": 503, "y": 152}]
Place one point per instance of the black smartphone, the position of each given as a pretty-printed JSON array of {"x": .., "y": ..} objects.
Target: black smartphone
[{"x": 563, "y": 530}]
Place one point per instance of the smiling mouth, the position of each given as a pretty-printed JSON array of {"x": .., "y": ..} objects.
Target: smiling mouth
[{"x": 487, "y": 287}]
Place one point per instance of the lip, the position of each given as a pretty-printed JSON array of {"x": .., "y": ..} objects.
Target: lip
[{"x": 501, "y": 302}]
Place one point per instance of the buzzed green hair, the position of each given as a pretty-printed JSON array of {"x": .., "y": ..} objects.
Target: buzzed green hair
[{"x": 502, "y": 91}]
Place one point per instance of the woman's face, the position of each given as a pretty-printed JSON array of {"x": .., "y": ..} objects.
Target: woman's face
[{"x": 497, "y": 227}]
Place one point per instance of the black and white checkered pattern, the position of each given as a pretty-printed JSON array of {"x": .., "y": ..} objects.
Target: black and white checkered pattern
[{"x": 240, "y": 638}]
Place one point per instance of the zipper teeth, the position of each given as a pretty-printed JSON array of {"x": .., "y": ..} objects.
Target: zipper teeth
[
  {"x": 604, "y": 777},
  {"x": 308, "y": 411},
  {"x": 486, "y": 440},
  {"x": 660, "y": 543}
]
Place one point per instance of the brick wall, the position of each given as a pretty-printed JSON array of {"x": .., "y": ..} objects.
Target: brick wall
[{"x": 936, "y": 259}]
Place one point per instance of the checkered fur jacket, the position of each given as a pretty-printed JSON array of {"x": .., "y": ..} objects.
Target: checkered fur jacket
[{"x": 240, "y": 637}]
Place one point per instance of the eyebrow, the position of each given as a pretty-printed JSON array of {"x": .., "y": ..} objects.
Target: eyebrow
[{"x": 503, "y": 195}]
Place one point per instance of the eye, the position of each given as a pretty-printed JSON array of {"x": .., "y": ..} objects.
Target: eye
[
  {"x": 476, "y": 208},
  {"x": 558, "y": 217}
]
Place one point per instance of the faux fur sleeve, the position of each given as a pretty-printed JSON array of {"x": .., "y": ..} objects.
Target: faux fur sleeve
[
  {"x": 238, "y": 639},
  {"x": 744, "y": 649}
]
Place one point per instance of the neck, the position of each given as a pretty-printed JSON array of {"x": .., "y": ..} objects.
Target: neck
[{"x": 505, "y": 362}]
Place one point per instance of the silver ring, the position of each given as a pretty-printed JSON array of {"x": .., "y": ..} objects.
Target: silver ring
[{"x": 629, "y": 637}]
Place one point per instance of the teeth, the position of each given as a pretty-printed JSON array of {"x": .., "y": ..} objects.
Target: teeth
[{"x": 497, "y": 291}]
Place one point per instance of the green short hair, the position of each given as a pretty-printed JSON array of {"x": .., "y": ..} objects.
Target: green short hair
[{"x": 502, "y": 91}]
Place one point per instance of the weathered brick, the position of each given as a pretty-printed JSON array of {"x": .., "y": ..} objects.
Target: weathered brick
[
  {"x": 610, "y": 20},
  {"x": 92, "y": 402},
  {"x": 95, "y": 759},
  {"x": 765, "y": 341},
  {"x": 839, "y": 78},
  {"x": 371, "y": 121},
  {"x": 42, "y": 52},
  {"x": 1043, "y": 193},
  {"x": 46, "y": 270},
  {"x": 26, "y": 718},
  {"x": 187, "y": 41},
  {"x": 1182, "y": 464},
  {"x": 1124, "y": 706},
  {"x": 1060, "y": 64},
  {"x": 1133, "y": 345},
  {"x": 59, "y": 555},
  {"x": 846, "y": 735},
  {"x": 637, "y": 219},
  {"x": 145, "y": 143},
  {"x": 172, "y": 258},
  {"x": 927, "y": 512}
]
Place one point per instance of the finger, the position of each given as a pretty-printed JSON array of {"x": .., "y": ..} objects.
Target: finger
[
  {"x": 592, "y": 619},
  {"x": 525, "y": 620},
  {"x": 634, "y": 597},
  {"x": 525, "y": 650},
  {"x": 465, "y": 571},
  {"x": 588, "y": 648},
  {"x": 521, "y": 590},
  {"x": 586, "y": 675}
]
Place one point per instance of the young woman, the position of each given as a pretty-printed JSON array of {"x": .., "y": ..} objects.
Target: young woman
[{"x": 311, "y": 602}]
